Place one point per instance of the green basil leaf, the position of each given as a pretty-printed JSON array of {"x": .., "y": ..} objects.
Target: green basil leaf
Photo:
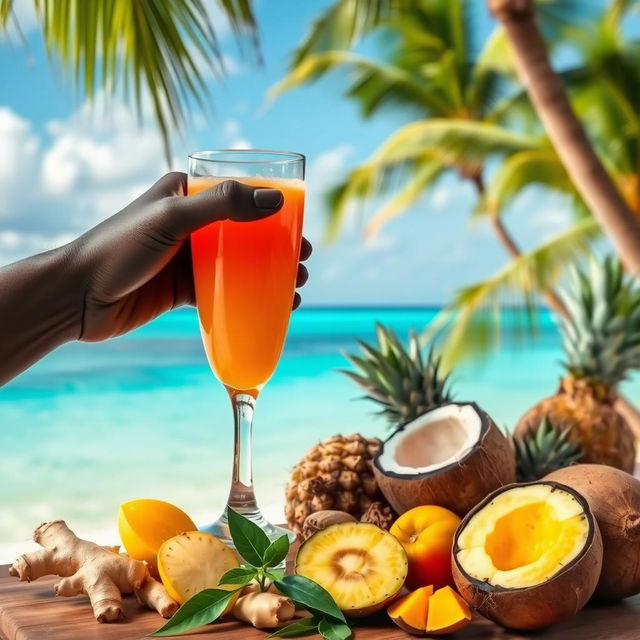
[
  {"x": 241, "y": 575},
  {"x": 309, "y": 594},
  {"x": 300, "y": 627},
  {"x": 274, "y": 574},
  {"x": 201, "y": 609},
  {"x": 331, "y": 630},
  {"x": 276, "y": 552},
  {"x": 249, "y": 539}
]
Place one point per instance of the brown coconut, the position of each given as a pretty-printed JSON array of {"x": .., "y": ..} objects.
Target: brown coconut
[
  {"x": 614, "y": 499},
  {"x": 558, "y": 598},
  {"x": 457, "y": 485}
]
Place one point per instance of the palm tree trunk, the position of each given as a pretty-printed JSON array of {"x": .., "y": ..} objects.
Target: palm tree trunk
[
  {"x": 552, "y": 105},
  {"x": 552, "y": 299}
]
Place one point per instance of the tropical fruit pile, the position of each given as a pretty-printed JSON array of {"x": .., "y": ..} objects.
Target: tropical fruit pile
[{"x": 505, "y": 525}]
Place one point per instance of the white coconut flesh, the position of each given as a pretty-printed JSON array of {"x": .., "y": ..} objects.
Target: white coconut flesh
[
  {"x": 523, "y": 537},
  {"x": 436, "y": 439}
]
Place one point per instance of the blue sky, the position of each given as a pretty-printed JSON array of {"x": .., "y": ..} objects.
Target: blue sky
[{"x": 64, "y": 167}]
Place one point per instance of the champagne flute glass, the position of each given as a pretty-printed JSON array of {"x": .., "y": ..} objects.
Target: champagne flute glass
[{"x": 244, "y": 275}]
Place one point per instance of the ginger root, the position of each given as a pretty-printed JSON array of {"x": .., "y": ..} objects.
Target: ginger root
[
  {"x": 85, "y": 567},
  {"x": 264, "y": 610}
]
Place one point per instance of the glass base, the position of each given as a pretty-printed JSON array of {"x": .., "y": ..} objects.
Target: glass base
[{"x": 220, "y": 528}]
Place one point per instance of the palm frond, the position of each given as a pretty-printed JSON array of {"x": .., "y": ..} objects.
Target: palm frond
[
  {"x": 457, "y": 142},
  {"x": 5, "y": 12},
  {"x": 152, "y": 48},
  {"x": 519, "y": 171},
  {"x": 423, "y": 177},
  {"x": 471, "y": 324},
  {"x": 373, "y": 84},
  {"x": 415, "y": 155},
  {"x": 343, "y": 23}
]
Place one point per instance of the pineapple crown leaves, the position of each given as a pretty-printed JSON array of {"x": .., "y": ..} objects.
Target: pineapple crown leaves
[
  {"x": 405, "y": 382},
  {"x": 543, "y": 450},
  {"x": 601, "y": 335}
]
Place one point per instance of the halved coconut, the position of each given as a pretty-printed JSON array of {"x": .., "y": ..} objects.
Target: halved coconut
[
  {"x": 452, "y": 456},
  {"x": 529, "y": 555}
]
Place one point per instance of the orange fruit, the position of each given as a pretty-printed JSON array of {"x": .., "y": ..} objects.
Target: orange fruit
[{"x": 426, "y": 533}]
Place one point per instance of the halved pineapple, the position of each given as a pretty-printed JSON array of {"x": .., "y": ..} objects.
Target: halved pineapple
[
  {"x": 191, "y": 562},
  {"x": 362, "y": 566}
]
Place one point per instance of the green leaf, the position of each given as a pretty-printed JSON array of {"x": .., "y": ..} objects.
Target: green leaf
[
  {"x": 331, "y": 630},
  {"x": 301, "y": 627},
  {"x": 250, "y": 540},
  {"x": 203, "y": 608},
  {"x": 276, "y": 552},
  {"x": 240, "y": 575},
  {"x": 310, "y": 595},
  {"x": 274, "y": 575}
]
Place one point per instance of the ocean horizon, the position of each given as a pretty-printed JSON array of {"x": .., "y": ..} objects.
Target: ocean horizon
[{"x": 94, "y": 425}]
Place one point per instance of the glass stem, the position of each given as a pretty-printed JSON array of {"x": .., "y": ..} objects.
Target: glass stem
[{"x": 241, "y": 496}]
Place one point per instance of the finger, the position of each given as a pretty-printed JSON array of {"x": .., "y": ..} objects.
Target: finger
[
  {"x": 305, "y": 249},
  {"x": 228, "y": 200},
  {"x": 173, "y": 183},
  {"x": 296, "y": 300},
  {"x": 303, "y": 275}
]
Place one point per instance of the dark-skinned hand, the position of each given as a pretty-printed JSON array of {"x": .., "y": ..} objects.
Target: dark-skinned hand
[
  {"x": 142, "y": 255},
  {"x": 122, "y": 273}
]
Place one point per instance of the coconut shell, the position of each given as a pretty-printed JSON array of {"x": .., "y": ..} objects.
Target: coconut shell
[
  {"x": 589, "y": 412},
  {"x": 458, "y": 486},
  {"x": 544, "y": 604},
  {"x": 614, "y": 499}
]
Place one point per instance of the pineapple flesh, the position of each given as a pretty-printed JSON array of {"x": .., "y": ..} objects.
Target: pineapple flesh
[
  {"x": 360, "y": 565},
  {"x": 601, "y": 341}
]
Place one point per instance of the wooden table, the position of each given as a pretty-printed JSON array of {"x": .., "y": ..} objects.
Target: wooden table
[{"x": 32, "y": 612}]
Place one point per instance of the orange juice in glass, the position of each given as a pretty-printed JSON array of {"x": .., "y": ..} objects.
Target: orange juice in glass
[{"x": 244, "y": 275}]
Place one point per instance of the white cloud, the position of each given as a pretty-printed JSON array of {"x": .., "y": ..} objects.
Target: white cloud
[
  {"x": 327, "y": 166},
  {"x": 88, "y": 167},
  {"x": 19, "y": 157},
  {"x": 232, "y": 136},
  {"x": 441, "y": 196}
]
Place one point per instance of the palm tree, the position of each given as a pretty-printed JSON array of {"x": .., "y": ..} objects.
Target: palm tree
[
  {"x": 569, "y": 138},
  {"x": 468, "y": 106},
  {"x": 135, "y": 49},
  {"x": 466, "y": 125},
  {"x": 431, "y": 71},
  {"x": 604, "y": 92}
]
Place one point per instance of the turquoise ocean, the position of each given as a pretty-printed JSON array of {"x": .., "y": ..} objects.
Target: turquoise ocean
[{"x": 93, "y": 425}]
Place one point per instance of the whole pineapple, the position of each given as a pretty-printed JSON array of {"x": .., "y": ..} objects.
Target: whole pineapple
[
  {"x": 335, "y": 474},
  {"x": 404, "y": 382},
  {"x": 540, "y": 452},
  {"x": 601, "y": 340}
]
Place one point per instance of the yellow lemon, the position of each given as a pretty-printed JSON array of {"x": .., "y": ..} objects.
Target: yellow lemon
[{"x": 145, "y": 524}]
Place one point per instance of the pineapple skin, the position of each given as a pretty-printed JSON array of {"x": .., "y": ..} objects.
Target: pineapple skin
[
  {"x": 602, "y": 433},
  {"x": 334, "y": 474}
]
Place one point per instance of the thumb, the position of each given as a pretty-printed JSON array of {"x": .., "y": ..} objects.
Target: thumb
[{"x": 228, "y": 200}]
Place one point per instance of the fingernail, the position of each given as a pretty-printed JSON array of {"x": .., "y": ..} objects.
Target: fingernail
[{"x": 267, "y": 198}]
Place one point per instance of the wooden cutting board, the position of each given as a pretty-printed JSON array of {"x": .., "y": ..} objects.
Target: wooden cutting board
[{"x": 32, "y": 612}]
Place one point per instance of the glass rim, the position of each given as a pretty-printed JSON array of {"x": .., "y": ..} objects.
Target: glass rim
[{"x": 280, "y": 157}]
